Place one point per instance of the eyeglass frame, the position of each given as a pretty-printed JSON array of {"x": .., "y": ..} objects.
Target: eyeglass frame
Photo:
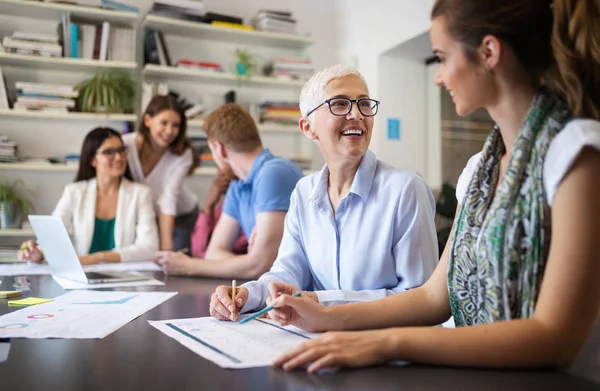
[
  {"x": 120, "y": 150},
  {"x": 352, "y": 101}
]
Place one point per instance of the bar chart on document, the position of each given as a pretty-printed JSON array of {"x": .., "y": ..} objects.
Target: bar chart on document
[{"x": 232, "y": 345}]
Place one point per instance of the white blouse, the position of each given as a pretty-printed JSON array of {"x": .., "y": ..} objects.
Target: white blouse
[
  {"x": 562, "y": 153},
  {"x": 165, "y": 180}
]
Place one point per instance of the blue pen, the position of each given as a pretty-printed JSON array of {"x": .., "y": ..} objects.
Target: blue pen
[{"x": 264, "y": 311}]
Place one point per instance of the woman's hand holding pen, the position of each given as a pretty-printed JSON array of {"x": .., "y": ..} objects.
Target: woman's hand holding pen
[
  {"x": 30, "y": 252},
  {"x": 304, "y": 311},
  {"x": 221, "y": 305}
]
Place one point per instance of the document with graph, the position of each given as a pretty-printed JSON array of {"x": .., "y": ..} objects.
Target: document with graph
[
  {"x": 80, "y": 314},
  {"x": 232, "y": 345}
]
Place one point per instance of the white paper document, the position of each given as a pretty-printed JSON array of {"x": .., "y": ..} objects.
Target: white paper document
[
  {"x": 80, "y": 314},
  {"x": 29, "y": 269},
  {"x": 70, "y": 284},
  {"x": 232, "y": 345}
]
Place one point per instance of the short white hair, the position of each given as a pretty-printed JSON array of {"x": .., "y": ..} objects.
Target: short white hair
[{"x": 313, "y": 92}]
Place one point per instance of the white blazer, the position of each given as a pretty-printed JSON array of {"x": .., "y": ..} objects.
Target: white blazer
[{"x": 136, "y": 234}]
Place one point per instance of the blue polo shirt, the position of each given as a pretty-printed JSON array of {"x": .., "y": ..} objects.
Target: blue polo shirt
[{"x": 268, "y": 187}]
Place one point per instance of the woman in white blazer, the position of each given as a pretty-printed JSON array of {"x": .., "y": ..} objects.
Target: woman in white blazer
[{"x": 111, "y": 217}]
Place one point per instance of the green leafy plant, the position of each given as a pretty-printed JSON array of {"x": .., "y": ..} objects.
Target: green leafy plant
[
  {"x": 13, "y": 204},
  {"x": 106, "y": 92},
  {"x": 245, "y": 63}
]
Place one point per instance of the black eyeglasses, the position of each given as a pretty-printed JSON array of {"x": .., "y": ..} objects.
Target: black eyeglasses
[
  {"x": 111, "y": 152},
  {"x": 343, "y": 106}
]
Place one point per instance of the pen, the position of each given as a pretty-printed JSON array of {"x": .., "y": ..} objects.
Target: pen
[
  {"x": 264, "y": 311},
  {"x": 232, "y": 316}
]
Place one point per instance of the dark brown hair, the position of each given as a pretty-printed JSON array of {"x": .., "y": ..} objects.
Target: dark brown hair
[
  {"x": 91, "y": 143},
  {"x": 157, "y": 105},
  {"x": 557, "y": 42},
  {"x": 233, "y": 127}
]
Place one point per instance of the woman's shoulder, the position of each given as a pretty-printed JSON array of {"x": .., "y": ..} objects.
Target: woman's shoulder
[{"x": 134, "y": 187}]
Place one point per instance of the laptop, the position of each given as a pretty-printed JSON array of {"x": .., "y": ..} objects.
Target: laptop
[{"x": 59, "y": 253}]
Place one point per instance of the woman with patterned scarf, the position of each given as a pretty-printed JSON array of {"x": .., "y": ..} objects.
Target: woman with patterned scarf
[{"x": 521, "y": 269}]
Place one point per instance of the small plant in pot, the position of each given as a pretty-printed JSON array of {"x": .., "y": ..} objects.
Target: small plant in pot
[
  {"x": 106, "y": 92},
  {"x": 14, "y": 206},
  {"x": 245, "y": 64}
]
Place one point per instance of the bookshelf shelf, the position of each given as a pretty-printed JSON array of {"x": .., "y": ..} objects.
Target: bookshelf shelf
[
  {"x": 48, "y": 167},
  {"x": 53, "y": 11},
  {"x": 63, "y": 64},
  {"x": 204, "y": 31},
  {"x": 68, "y": 116},
  {"x": 164, "y": 72},
  {"x": 264, "y": 128},
  {"x": 17, "y": 233}
]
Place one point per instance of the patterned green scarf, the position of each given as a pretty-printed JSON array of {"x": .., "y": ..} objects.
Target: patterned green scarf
[{"x": 501, "y": 242}]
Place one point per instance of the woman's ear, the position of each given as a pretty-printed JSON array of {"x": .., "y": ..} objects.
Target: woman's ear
[
  {"x": 147, "y": 120},
  {"x": 490, "y": 51},
  {"x": 307, "y": 129}
]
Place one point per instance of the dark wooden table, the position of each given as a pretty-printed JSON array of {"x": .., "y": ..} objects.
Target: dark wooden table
[{"x": 139, "y": 357}]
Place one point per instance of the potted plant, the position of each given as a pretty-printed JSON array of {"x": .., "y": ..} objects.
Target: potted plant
[
  {"x": 13, "y": 205},
  {"x": 245, "y": 64},
  {"x": 106, "y": 92}
]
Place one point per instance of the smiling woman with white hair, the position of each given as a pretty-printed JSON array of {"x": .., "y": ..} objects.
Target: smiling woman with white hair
[{"x": 357, "y": 230}]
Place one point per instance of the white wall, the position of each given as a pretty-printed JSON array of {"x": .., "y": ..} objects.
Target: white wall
[
  {"x": 387, "y": 41},
  {"x": 42, "y": 138}
]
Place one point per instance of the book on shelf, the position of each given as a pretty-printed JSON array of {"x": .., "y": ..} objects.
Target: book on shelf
[
  {"x": 281, "y": 112},
  {"x": 175, "y": 12},
  {"x": 189, "y": 7},
  {"x": 4, "y": 102},
  {"x": 119, "y": 6},
  {"x": 45, "y": 97},
  {"x": 210, "y": 17},
  {"x": 274, "y": 21},
  {"x": 201, "y": 65},
  {"x": 238, "y": 26},
  {"x": 11, "y": 44}
]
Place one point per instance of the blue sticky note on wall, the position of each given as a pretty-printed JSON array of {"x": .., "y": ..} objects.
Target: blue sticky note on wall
[{"x": 393, "y": 127}]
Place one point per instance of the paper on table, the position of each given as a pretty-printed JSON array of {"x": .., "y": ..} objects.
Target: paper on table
[
  {"x": 231, "y": 345},
  {"x": 69, "y": 284},
  {"x": 80, "y": 314},
  {"x": 28, "y": 269},
  {"x": 29, "y": 301}
]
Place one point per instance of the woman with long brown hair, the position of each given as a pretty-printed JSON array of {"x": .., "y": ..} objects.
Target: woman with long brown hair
[
  {"x": 521, "y": 269},
  {"x": 161, "y": 156}
]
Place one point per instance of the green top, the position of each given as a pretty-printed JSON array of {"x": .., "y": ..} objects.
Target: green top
[{"x": 104, "y": 236}]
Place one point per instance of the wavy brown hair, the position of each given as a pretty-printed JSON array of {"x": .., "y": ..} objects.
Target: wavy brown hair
[
  {"x": 557, "y": 42},
  {"x": 157, "y": 105}
]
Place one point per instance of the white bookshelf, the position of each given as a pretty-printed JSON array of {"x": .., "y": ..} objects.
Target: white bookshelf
[
  {"x": 67, "y": 116},
  {"x": 53, "y": 11},
  {"x": 186, "y": 74},
  {"x": 17, "y": 233},
  {"x": 58, "y": 168},
  {"x": 63, "y": 64},
  {"x": 205, "y": 31},
  {"x": 196, "y": 125}
]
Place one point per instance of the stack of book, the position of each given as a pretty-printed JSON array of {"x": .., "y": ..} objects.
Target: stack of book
[
  {"x": 21, "y": 42},
  {"x": 202, "y": 152},
  {"x": 274, "y": 21},
  {"x": 8, "y": 150},
  {"x": 284, "y": 113},
  {"x": 291, "y": 68},
  {"x": 179, "y": 9},
  {"x": 45, "y": 97},
  {"x": 200, "y": 65}
]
